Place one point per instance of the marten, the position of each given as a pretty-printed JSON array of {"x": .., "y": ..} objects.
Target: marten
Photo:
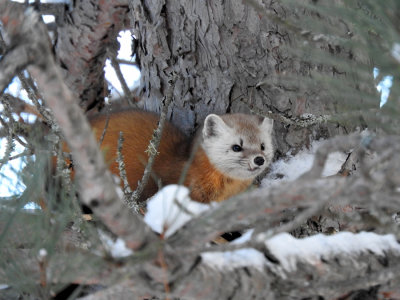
[{"x": 233, "y": 149}]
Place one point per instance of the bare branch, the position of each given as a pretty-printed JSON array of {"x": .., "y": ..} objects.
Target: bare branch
[
  {"x": 97, "y": 189},
  {"x": 154, "y": 144},
  {"x": 113, "y": 58},
  {"x": 338, "y": 143},
  {"x": 8, "y": 158},
  {"x": 12, "y": 125},
  {"x": 138, "y": 207},
  {"x": 15, "y": 60},
  {"x": 9, "y": 148},
  {"x": 335, "y": 273},
  {"x": 127, "y": 62}
]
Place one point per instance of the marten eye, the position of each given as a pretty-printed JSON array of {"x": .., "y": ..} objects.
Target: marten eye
[
  {"x": 262, "y": 147},
  {"x": 236, "y": 148}
]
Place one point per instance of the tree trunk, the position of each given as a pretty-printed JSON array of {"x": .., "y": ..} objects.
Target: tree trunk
[
  {"x": 229, "y": 56},
  {"x": 84, "y": 36}
]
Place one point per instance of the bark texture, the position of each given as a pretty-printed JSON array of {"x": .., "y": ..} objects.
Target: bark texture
[
  {"x": 85, "y": 33},
  {"x": 229, "y": 56}
]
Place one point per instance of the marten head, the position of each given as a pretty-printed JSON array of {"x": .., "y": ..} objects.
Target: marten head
[{"x": 238, "y": 145}]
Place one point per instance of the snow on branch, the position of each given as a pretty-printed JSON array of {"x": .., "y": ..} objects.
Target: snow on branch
[
  {"x": 290, "y": 268},
  {"x": 171, "y": 208},
  {"x": 289, "y": 250},
  {"x": 286, "y": 252}
]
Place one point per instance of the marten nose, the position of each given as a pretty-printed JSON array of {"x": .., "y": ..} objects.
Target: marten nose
[{"x": 259, "y": 161}]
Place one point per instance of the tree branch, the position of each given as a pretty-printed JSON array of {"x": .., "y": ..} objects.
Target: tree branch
[
  {"x": 154, "y": 144},
  {"x": 267, "y": 205},
  {"x": 97, "y": 189}
]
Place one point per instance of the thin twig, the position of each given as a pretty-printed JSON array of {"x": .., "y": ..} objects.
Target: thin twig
[
  {"x": 112, "y": 50},
  {"x": 9, "y": 149},
  {"x": 137, "y": 206},
  {"x": 338, "y": 143},
  {"x": 127, "y": 62},
  {"x": 22, "y": 154},
  {"x": 154, "y": 144},
  {"x": 34, "y": 95},
  {"x": 108, "y": 110},
  {"x": 12, "y": 123},
  {"x": 189, "y": 162}
]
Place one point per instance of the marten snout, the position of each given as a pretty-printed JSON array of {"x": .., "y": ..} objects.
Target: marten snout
[{"x": 259, "y": 160}]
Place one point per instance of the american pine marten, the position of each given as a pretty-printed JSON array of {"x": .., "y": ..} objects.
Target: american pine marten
[{"x": 233, "y": 150}]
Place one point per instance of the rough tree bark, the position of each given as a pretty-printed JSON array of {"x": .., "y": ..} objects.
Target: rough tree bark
[
  {"x": 227, "y": 54},
  {"x": 83, "y": 37}
]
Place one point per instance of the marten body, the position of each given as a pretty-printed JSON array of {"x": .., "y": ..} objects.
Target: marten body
[{"x": 233, "y": 150}]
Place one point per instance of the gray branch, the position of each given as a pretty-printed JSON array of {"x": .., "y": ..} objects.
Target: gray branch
[
  {"x": 97, "y": 189},
  {"x": 153, "y": 145}
]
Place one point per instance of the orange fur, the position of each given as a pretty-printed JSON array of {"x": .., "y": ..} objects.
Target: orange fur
[{"x": 206, "y": 183}]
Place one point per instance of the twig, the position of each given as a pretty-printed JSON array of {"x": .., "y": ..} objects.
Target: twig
[
  {"x": 338, "y": 143},
  {"x": 103, "y": 134},
  {"x": 9, "y": 149},
  {"x": 33, "y": 94},
  {"x": 189, "y": 161},
  {"x": 153, "y": 145},
  {"x": 112, "y": 50},
  {"x": 22, "y": 154},
  {"x": 300, "y": 218},
  {"x": 164, "y": 267},
  {"x": 121, "y": 166},
  {"x": 127, "y": 62},
  {"x": 42, "y": 259},
  {"x": 12, "y": 124},
  {"x": 138, "y": 207},
  {"x": 17, "y": 59}
]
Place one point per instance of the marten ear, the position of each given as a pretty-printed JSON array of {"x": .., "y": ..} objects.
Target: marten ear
[
  {"x": 214, "y": 126},
  {"x": 267, "y": 125}
]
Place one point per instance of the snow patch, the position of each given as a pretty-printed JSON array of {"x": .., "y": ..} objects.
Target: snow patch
[
  {"x": 293, "y": 166},
  {"x": 246, "y": 257},
  {"x": 171, "y": 208},
  {"x": 116, "y": 248},
  {"x": 289, "y": 250},
  {"x": 48, "y": 19}
]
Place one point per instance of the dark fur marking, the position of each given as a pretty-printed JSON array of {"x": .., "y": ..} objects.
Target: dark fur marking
[{"x": 210, "y": 128}]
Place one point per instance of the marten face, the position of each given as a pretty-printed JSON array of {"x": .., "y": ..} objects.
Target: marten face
[{"x": 238, "y": 145}]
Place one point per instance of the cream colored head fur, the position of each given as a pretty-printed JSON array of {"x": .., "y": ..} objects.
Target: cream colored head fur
[{"x": 238, "y": 145}]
